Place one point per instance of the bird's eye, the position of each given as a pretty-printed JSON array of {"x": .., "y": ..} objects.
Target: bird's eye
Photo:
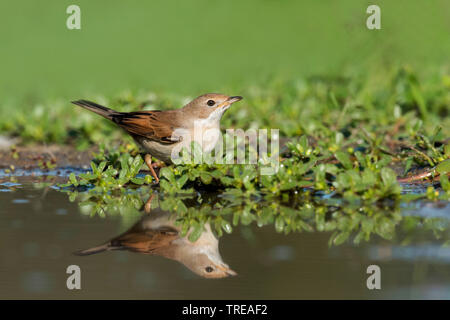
[
  {"x": 211, "y": 103},
  {"x": 209, "y": 269}
]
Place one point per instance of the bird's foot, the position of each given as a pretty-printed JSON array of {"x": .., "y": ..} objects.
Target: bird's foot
[{"x": 148, "y": 162}]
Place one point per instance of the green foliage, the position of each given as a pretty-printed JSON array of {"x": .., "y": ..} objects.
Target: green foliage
[
  {"x": 364, "y": 178},
  {"x": 344, "y": 143},
  {"x": 109, "y": 176},
  {"x": 443, "y": 167}
]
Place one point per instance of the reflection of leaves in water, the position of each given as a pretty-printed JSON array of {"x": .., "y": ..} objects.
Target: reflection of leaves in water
[
  {"x": 344, "y": 220},
  {"x": 125, "y": 204}
]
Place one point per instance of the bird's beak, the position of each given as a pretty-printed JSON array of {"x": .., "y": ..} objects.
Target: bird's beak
[
  {"x": 227, "y": 270},
  {"x": 234, "y": 99},
  {"x": 227, "y": 103}
]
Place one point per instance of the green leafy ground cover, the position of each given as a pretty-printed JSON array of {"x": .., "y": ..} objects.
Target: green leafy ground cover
[
  {"x": 347, "y": 143},
  {"x": 341, "y": 135}
]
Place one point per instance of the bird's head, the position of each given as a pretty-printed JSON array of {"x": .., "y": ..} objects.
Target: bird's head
[
  {"x": 203, "y": 256},
  {"x": 210, "y": 106},
  {"x": 207, "y": 267}
]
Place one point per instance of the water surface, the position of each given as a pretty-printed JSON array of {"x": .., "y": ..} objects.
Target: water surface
[{"x": 40, "y": 229}]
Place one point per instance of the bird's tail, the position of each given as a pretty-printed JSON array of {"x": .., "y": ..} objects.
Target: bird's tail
[
  {"x": 94, "y": 250},
  {"x": 94, "y": 107}
]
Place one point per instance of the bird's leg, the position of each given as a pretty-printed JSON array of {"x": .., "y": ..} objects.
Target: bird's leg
[
  {"x": 148, "y": 204},
  {"x": 148, "y": 162}
]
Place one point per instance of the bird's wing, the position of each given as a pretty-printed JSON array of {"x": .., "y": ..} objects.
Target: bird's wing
[
  {"x": 154, "y": 125},
  {"x": 147, "y": 241}
]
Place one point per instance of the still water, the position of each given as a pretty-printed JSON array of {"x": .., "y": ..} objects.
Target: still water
[{"x": 41, "y": 229}]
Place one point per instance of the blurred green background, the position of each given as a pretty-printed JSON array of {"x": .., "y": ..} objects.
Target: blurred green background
[{"x": 197, "y": 46}]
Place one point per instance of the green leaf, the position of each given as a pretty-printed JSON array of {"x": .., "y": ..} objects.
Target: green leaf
[
  {"x": 443, "y": 167},
  {"x": 123, "y": 173},
  {"x": 184, "y": 229},
  {"x": 445, "y": 184},
  {"x": 226, "y": 226},
  {"x": 165, "y": 185},
  {"x": 368, "y": 178},
  {"x": 181, "y": 181},
  {"x": 447, "y": 150},
  {"x": 136, "y": 165},
  {"x": 227, "y": 181},
  {"x": 388, "y": 176},
  {"x": 73, "y": 179},
  {"x": 344, "y": 159},
  {"x": 408, "y": 164},
  {"x": 73, "y": 196},
  {"x": 216, "y": 174},
  {"x": 148, "y": 179},
  {"x": 88, "y": 176},
  {"x": 94, "y": 167},
  {"x": 288, "y": 185},
  {"x": 303, "y": 143},
  {"x": 236, "y": 172},
  {"x": 304, "y": 184},
  {"x": 205, "y": 177},
  {"x": 197, "y": 151},
  {"x": 101, "y": 166},
  {"x": 124, "y": 162},
  {"x": 341, "y": 238},
  {"x": 167, "y": 173},
  {"x": 279, "y": 224},
  {"x": 138, "y": 181},
  {"x": 196, "y": 232}
]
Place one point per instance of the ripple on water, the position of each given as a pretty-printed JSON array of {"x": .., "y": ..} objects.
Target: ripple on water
[
  {"x": 10, "y": 184},
  {"x": 415, "y": 188},
  {"x": 431, "y": 252},
  {"x": 59, "y": 172},
  {"x": 20, "y": 201},
  {"x": 428, "y": 210}
]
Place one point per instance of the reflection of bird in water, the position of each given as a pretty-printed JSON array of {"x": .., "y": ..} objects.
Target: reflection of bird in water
[{"x": 157, "y": 234}]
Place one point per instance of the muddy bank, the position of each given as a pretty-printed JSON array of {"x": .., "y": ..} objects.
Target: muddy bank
[{"x": 40, "y": 156}]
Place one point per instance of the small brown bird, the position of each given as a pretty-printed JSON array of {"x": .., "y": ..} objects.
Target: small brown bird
[
  {"x": 159, "y": 132},
  {"x": 157, "y": 234}
]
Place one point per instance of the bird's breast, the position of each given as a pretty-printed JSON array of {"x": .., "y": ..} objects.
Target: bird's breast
[{"x": 206, "y": 133}]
